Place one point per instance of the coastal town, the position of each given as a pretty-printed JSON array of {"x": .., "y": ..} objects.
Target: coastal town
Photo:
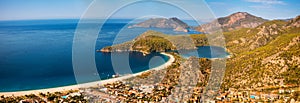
[
  {"x": 129, "y": 91},
  {"x": 122, "y": 92},
  {"x": 119, "y": 91}
]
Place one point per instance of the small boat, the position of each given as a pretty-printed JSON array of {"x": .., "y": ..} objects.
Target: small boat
[{"x": 116, "y": 75}]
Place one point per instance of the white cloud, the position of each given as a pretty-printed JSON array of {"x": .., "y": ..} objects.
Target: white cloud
[{"x": 267, "y": 1}]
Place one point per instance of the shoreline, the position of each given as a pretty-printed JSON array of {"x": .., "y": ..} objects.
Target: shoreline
[{"x": 89, "y": 84}]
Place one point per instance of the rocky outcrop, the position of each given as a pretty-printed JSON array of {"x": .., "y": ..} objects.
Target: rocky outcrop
[
  {"x": 268, "y": 31},
  {"x": 241, "y": 20},
  {"x": 171, "y": 23},
  {"x": 295, "y": 22},
  {"x": 266, "y": 54},
  {"x": 234, "y": 21},
  {"x": 266, "y": 34}
]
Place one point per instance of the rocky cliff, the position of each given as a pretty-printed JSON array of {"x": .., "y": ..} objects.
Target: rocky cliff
[
  {"x": 248, "y": 39},
  {"x": 266, "y": 33}
]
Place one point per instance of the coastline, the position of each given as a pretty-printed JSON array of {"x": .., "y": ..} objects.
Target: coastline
[{"x": 89, "y": 84}]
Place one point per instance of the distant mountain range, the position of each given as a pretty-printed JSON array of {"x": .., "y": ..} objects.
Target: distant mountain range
[
  {"x": 171, "y": 23},
  {"x": 232, "y": 22}
]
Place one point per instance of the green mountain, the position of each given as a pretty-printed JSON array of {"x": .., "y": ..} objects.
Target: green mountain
[
  {"x": 153, "y": 41},
  {"x": 264, "y": 56}
]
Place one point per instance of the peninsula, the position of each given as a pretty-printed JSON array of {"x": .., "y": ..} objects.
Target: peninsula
[{"x": 153, "y": 41}]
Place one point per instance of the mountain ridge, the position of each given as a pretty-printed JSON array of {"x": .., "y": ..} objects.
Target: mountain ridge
[
  {"x": 171, "y": 23},
  {"x": 264, "y": 55},
  {"x": 234, "y": 21}
]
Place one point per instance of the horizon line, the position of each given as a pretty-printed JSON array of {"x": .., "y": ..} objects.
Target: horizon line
[
  {"x": 94, "y": 18},
  {"x": 76, "y": 19}
]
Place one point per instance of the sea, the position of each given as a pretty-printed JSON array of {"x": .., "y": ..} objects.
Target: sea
[{"x": 37, "y": 54}]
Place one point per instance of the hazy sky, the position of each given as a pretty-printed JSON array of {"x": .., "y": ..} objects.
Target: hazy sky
[{"x": 65, "y": 9}]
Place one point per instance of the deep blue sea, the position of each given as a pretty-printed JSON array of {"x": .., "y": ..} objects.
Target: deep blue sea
[{"x": 37, "y": 54}]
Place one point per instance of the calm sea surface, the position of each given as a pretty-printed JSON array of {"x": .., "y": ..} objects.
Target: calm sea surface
[{"x": 37, "y": 54}]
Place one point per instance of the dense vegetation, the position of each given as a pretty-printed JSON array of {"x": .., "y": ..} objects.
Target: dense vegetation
[
  {"x": 265, "y": 65},
  {"x": 241, "y": 40},
  {"x": 152, "y": 44},
  {"x": 152, "y": 41}
]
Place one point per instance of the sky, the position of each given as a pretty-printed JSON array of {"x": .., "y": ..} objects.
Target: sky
[{"x": 75, "y": 9}]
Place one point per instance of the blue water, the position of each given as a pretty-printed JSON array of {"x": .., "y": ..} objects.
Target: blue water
[
  {"x": 37, "y": 54},
  {"x": 205, "y": 52}
]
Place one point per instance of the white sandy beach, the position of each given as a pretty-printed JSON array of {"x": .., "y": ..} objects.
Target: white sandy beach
[{"x": 90, "y": 84}]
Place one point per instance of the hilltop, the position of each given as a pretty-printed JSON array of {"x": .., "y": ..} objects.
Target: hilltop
[{"x": 235, "y": 21}]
